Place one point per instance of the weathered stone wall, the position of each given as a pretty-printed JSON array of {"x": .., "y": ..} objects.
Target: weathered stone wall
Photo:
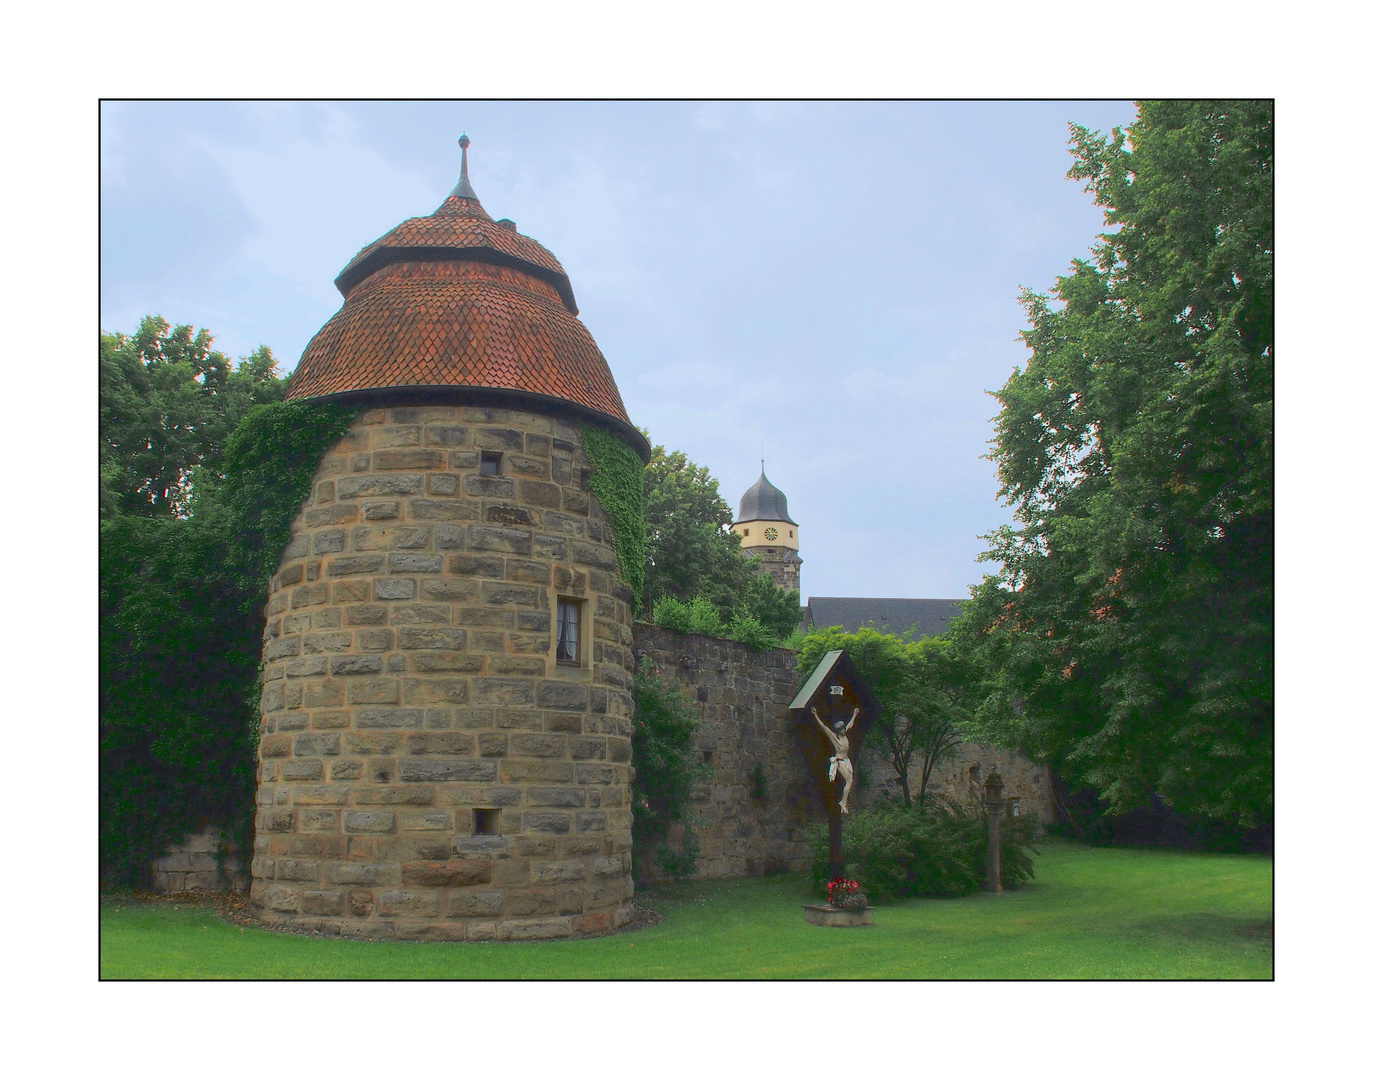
[
  {"x": 200, "y": 862},
  {"x": 409, "y": 681},
  {"x": 743, "y": 698},
  {"x": 745, "y": 828},
  {"x": 958, "y": 778}
]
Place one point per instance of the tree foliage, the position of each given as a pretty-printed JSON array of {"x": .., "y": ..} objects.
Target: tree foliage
[
  {"x": 1131, "y": 624},
  {"x": 926, "y": 689},
  {"x": 690, "y": 552},
  {"x": 665, "y": 771},
  {"x": 168, "y": 403},
  {"x": 186, "y": 550}
]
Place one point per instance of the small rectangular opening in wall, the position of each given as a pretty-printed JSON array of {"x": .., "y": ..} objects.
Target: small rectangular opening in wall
[
  {"x": 486, "y": 823},
  {"x": 567, "y": 649},
  {"x": 490, "y": 463},
  {"x": 707, "y": 756}
]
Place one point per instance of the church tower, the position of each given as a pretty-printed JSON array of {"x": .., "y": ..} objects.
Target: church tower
[{"x": 768, "y": 534}]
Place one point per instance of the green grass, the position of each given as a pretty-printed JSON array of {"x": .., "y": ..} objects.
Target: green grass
[{"x": 1091, "y": 913}]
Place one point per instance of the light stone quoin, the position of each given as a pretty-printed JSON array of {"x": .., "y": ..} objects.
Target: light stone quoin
[{"x": 409, "y": 681}]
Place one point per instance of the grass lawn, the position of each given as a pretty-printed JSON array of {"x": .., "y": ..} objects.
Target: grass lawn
[{"x": 1091, "y": 913}]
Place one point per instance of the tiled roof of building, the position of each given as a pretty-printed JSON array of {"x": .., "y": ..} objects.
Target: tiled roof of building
[
  {"x": 895, "y": 615},
  {"x": 455, "y": 301}
]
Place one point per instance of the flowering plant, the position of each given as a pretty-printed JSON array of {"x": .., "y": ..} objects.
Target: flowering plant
[{"x": 846, "y": 893}]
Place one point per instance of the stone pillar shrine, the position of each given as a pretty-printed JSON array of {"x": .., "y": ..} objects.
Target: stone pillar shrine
[{"x": 446, "y": 687}]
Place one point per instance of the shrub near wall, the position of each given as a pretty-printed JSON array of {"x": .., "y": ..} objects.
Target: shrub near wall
[
  {"x": 896, "y": 850},
  {"x": 180, "y": 635}
]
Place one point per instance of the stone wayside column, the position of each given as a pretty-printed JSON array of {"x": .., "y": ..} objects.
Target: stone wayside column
[{"x": 428, "y": 769}]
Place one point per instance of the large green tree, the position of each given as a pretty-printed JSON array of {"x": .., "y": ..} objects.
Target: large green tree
[
  {"x": 690, "y": 552},
  {"x": 1131, "y": 624},
  {"x": 168, "y": 402}
]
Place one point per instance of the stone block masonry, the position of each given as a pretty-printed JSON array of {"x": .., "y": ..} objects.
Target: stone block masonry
[
  {"x": 760, "y": 796},
  {"x": 427, "y": 769},
  {"x": 200, "y": 863}
]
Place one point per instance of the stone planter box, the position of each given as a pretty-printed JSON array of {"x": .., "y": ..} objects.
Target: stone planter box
[{"x": 824, "y": 915}]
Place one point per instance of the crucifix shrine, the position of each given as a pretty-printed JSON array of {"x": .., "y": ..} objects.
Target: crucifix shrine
[{"x": 832, "y": 713}]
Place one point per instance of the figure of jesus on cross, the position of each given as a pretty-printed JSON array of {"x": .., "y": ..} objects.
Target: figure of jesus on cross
[{"x": 839, "y": 763}]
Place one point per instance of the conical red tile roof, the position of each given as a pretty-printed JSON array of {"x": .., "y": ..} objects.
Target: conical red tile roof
[{"x": 456, "y": 300}]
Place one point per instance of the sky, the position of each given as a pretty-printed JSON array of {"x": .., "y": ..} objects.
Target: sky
[{"x": 832, "y": 286}]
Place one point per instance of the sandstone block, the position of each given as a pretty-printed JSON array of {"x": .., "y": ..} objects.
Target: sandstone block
[
  {"x": 445, "y": 873},
  {"x": 399, "y": 434},
  {"x": 309, "y": 769},
  {"x": 538, "y": 744},
  {"x": 441, "y": 510},
  {"x": 437, "y": 770},
  {"x": 546, "y": 822},
  {"x": 491, "y": 566},
  {"x": 539, "y": 493},
  {"x": 470, "y": 904},
  {"x": 376, "y": 743},
  {"x": 354, "y": 665},
  {"x": 368, "y": 821},
  {"x": 414, "y": 564},
  {"x": 303, "y": 667},
  {"x": 489, "y": 538},
  {"x": 504, "y": 693},
  {"x": 448, "y": 590},
  {"x": 394, "y": 589},
  {"x": 321, "y": 902},
  {"x": 393, "y": 902},
  {"x": 431, "y": 638},
  {"x": 365, "y": 486},
  {"x": 380, "y": 795},
  {"x": 384, "y": 510},
  {"x": 556, "y": 694},
  {"x": 439, "y": 742},
  {"x": 446, "y": 435},
  {"x": 539, "y": 796},
  {"x": 297, "y": 870},
  {"x": 409, "y": 458}
]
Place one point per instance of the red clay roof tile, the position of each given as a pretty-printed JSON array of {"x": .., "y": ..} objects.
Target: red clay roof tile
[{"x": 457, "y": 300}]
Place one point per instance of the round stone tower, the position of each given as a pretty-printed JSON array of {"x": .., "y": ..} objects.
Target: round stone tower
[
  {"x": 768, "y": 533},
  {"x": 446, "y": 706}
]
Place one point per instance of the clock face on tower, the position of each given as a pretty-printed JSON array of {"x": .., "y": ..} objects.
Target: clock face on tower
[{"x": 770, "y": 534}]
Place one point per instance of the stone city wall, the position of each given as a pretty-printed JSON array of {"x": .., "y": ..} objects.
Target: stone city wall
[
  {"x": 199, "y": 863},
  {"x": 760, "y": 796},
  {"x": 958, "y": 777},
  {"x": 746, "y": 828}
]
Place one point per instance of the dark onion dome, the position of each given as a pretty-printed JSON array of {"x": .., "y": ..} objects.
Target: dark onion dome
[
  {"x": 457, "y": 300},
  {"x": 763, "y": 502}
]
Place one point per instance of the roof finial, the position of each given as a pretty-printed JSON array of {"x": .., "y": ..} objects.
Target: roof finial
[{"x": 464, "y": 189}]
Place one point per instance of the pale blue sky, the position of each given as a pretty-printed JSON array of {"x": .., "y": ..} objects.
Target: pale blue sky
[{"x": 835, "y": 280}]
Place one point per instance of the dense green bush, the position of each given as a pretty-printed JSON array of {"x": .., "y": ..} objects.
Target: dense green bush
[
  {"x": 180, "y": 638},
  {"x": 665, "y": 771},
  {"x": 895, "y": 850},
  {"x": 700, "y": 616}
]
